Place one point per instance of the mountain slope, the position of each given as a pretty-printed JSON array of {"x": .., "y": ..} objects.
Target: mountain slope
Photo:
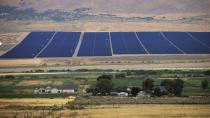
[{"x": 116, "y": 6}]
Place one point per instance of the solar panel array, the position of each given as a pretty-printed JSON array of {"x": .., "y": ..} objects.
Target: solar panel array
[{"x": 65, "y": 44}]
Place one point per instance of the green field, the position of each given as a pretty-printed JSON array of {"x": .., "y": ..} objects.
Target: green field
[{"x": 22, "y": 85}]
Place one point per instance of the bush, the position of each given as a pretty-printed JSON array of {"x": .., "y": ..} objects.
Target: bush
[
  {"x": 109, "y": 77},
  {"x": 120, "y": 75},
  {"x": 135, "y": 90},
  {"x": 9, "y": 77},
  {"x": 207, "y": 72},
  {"x": 75, "y": 106}
]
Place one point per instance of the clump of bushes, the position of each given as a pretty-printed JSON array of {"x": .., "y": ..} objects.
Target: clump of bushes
[{"x": 76, "y": 105}]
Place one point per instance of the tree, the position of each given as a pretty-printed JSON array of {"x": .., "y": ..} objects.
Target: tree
[
  {"x": 135, "y": 90},
  {"x": 147, "y": 84},
  {"x": 207, "y": 72},
  {"x": 92, "y": 90},
  {"x": 109, "y": 77},
  {"x": 173, "y": 86},
  {"x": 9, "y": 77},
  {"x": 104, "y": 86},
  {"x": 204, "y": 84},
  {"x": 157, "y": 92},
  {"x": 169, "y": 85},
  {"x": 120, "y": 75},
  {"x": 178, "y": 86}
]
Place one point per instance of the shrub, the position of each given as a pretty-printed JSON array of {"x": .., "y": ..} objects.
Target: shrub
[{"x": 135, "y": 90}]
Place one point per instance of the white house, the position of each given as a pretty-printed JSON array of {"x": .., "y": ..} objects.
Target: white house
[
  {"x": 68, "y": 90},
  {"x": 122, "y": 94},
  {"x": 143, "y": 94},
  {"x": 50, "y": 89}
]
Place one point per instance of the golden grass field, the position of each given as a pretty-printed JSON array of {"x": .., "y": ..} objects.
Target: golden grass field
[
  {"x": 35, "y": 101},
  {"x": 38, "y": 82},
  {"x": 129, "y": 111}
]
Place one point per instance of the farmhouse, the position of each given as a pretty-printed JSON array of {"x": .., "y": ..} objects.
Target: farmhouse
[
  {"x": 123, "y": 94},
  {"x": 143, "y": 94},
  {"x": 68, "y": 89},
  {"x": 51, "y": 89},
  {"x": 120, "y": 91}
]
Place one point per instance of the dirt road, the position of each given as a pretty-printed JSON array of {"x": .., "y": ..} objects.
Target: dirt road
[{"x": 115, "y": 67}]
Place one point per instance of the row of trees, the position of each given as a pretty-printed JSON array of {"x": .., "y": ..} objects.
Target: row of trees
[
  {"x": 104, "y": 85},
  {"x": 174, "y": 87}
]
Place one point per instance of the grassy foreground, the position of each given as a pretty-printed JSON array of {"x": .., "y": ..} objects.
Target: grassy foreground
[{"x": 128, "y": 111}]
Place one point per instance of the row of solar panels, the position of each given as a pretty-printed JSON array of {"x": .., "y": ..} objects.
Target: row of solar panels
[{"x": 68, "y": 44}]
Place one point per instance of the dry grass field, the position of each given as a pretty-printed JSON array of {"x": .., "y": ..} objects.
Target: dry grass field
[
  {"x": 204, "y": 65},
  {"x": 128, "y": 111},
  {"x": 35, "y": 101},
  {"x": 9, "y": 40},
  {"x": 110, "y": 26}
]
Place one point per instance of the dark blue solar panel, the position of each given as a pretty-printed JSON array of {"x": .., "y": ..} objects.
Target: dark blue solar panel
[
  {"x": 155, "y": 43},
  {"x": 202, "y": 36},
  {"x": 63, "y": 45},
  {"x": 126, "y": 43},
  {"x": 102, "y": 44},
  {"x": 95, "y": 44},
  {"x": 30, "y": 46},
  {"x": 186, "y": 43}
]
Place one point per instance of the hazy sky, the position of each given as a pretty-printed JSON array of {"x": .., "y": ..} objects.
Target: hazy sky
[{"x": 119, "y": 6}]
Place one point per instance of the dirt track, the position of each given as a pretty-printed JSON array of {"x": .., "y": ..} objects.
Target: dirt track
[{"x": 115, "y": 67}]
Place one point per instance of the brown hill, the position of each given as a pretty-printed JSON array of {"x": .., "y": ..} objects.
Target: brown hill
[{"x": 116, "y": 6}]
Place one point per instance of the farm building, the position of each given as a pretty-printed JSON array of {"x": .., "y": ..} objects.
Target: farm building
[
  {"x": 123, "y": 94},
  {"x": 143, "y": 94},
  {"x": 68, "y": 89},
  {"x": 51, "y": 89},
  {"x": 120, "y": 91}
]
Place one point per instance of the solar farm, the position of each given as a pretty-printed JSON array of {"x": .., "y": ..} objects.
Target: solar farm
[{"x": 81, "y": 44}]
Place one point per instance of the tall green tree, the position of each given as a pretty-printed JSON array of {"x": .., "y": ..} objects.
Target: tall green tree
[
  {"x": 169, "y": 85},
  {"x": 173, "y": 86},
  {"x": 178, "y": 86},
  {"x": 104, "y": 86},
  {"x": 157, "y": 92},
  {"x": 148, "y": 84},
  {"x": 204, "y": 84}
]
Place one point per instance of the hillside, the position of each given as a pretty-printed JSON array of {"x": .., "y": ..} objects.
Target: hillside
[
  {"x": 119, "y": 6},
  {"x": 104, "y": 15}
]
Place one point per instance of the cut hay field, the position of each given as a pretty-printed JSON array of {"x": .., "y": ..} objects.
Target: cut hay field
[
  {"x": 35, "y": 101},
  {"x": 128, "y": 111}
]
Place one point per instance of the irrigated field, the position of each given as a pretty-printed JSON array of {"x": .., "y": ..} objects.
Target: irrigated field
[{"x": 21, "y": 85}]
